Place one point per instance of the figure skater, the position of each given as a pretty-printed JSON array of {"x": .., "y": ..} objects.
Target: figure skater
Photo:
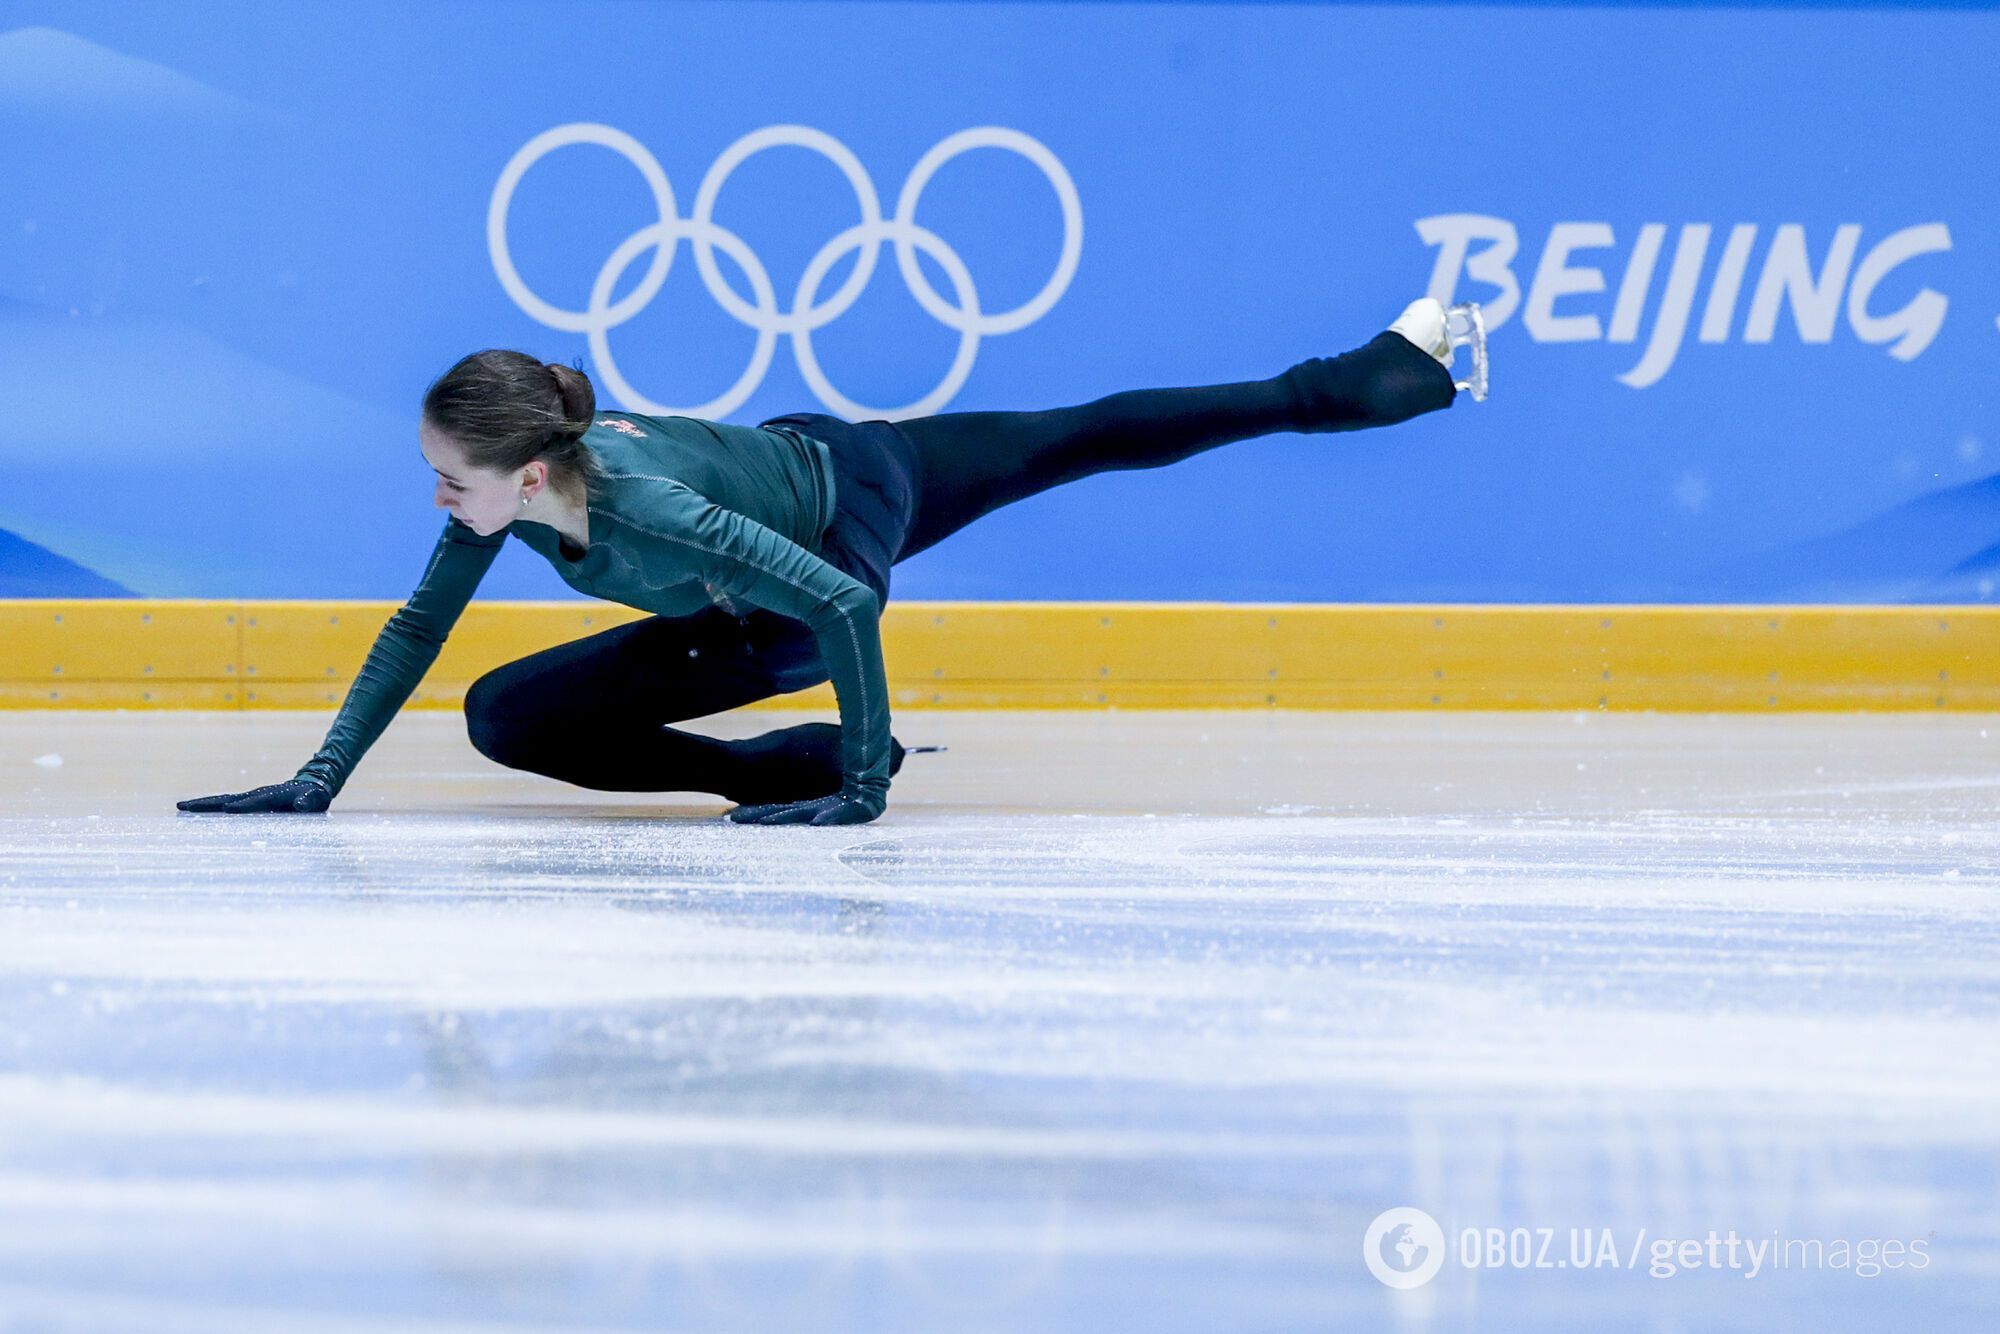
[{"x": 763, "y": 554}]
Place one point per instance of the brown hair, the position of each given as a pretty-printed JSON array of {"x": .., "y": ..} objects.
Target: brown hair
[{"x": 506, "y": 409}]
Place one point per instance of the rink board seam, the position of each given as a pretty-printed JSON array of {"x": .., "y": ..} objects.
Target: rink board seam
[{"x": 135, "y": 653}]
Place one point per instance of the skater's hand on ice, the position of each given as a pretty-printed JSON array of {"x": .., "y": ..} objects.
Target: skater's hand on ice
[
  {"x": 300, "y": 795},
  {"x": 845, "y": 807}
]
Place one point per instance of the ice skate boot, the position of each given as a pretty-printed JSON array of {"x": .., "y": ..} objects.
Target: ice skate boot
[{"x": 1429, "y": 326}]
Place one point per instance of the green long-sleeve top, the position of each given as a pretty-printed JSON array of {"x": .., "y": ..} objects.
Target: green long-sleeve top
[{"x": 687, "y": 513}]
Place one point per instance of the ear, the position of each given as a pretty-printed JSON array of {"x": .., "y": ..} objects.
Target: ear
[{"x": 534, "y": 476}]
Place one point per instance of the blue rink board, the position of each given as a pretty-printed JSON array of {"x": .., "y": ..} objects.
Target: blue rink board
[{"x": 1743, "y": 260}]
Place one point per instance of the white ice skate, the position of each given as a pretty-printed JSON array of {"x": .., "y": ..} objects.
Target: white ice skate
[{"x": 1440, "y": 332}]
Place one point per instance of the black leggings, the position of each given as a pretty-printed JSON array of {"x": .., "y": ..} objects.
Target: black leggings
[{"x": 595, "y": 712}]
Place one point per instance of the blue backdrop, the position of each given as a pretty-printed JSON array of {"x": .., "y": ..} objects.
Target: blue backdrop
[{"x": 1743, "y": 264}]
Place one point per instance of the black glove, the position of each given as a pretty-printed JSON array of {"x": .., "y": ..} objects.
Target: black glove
[
  {"x": 304, "y": 796},
  {"x": 844, "y": 807}
]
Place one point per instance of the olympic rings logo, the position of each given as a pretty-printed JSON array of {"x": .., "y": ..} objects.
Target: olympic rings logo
[{"x": 808, "y": 312}]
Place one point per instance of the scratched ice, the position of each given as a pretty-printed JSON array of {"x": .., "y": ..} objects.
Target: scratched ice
[{"x": 1117, "y": 1022}]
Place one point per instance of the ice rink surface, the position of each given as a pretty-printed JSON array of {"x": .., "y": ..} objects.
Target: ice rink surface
[{"x": 1117, "y": 1021}]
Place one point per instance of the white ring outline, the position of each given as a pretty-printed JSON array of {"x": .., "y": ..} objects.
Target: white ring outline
[
  {"x": 703, "y": 220},
  {"x": 968, "y": 340},
  {"x": 539, "y": 147},
  {"x": 598, "y": 331},
  {"x": 993, "y": 136},
  {"x": 808, "y": 313}
]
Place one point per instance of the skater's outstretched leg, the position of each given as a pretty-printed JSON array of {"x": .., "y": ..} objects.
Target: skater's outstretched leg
[{"x": 972, "y": 463}]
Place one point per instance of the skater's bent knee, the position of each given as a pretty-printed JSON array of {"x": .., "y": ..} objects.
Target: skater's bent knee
[{"x": 486, "y": 721}]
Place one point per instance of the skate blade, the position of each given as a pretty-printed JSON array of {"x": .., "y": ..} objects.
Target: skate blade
[{"x": 1465, "y": 326}]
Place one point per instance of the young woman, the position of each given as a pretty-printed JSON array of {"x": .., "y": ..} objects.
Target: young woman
[{"x": 764, "y": 555}]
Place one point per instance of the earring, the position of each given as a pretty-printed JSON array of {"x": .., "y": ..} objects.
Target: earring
[{"x": 524, "y": 502}]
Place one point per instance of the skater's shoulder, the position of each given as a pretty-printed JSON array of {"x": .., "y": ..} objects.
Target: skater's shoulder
[
  {"x": 639, "y": 492},
  {"x": 629, "y": 461},
  {"x": 609, "y": 427}
]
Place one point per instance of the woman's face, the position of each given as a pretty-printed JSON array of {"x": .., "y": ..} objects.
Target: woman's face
[{"x": 485, "y": 502}]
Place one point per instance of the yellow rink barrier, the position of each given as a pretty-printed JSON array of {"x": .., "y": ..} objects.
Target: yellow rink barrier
[{"x": 1051, "y": 655}]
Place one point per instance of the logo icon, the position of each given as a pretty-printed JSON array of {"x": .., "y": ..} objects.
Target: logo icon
[
  {"x": 1403, "y": 1247},
  {"x": 807, "y": 311}
]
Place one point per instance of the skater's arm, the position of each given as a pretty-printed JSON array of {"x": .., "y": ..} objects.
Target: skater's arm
[
  {"x": 743, "y": 559},
  {"x": 403, "y": 651}
]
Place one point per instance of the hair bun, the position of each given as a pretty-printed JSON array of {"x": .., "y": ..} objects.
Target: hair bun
[{"x": 579, "y": 400}]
